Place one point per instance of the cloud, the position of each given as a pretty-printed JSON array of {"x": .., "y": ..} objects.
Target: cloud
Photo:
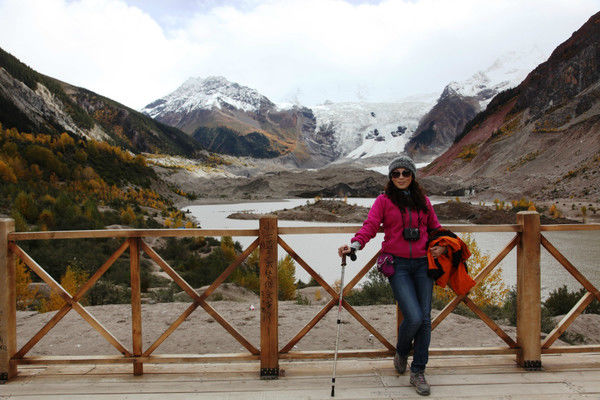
[
  {"x": 311, "y": 50},
  {"x": 106, "y": 46}
]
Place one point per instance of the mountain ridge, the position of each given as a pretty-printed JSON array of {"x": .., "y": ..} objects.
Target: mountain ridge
[
  {"x": 460, "y": 102},
  {"x": 541, "y": 139},
  {"x": 230, "y": 118},
  {"x": 37, "y": 103}
]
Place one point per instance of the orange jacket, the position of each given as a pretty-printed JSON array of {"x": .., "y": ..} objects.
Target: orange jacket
[{"x": 450, "y": 268}]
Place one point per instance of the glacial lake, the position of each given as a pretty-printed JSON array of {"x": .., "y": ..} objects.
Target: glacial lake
[{"x": 320, "y": 251}]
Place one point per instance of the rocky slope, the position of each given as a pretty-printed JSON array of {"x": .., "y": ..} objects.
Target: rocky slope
[
  {"x": 32, "y": 102},
  {"x": 333, "y": 181},
  {"x": 542, "y": 138},
  {"x": 440, "y": 126}
]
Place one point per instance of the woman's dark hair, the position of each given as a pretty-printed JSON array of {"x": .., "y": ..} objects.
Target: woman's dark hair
[{"x": 415, "y": 200}]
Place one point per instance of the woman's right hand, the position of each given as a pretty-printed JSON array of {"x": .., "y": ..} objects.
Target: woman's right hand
[{"x": 343, "y": 250}]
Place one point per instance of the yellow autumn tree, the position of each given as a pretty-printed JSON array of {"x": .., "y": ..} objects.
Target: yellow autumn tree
[
  {"x": 228, "y": 249},
  {"x": 6, "y": 173},
  {"x": 71, "y": 281},
  {"x": 491, "y": 291},
  {"x": 554, "y": 211},
  {"x": 175, "y": 218},
  {"x": 25, "y": 293},
  {"x": 286, "y": 270},
  {"x": 248, "y": 274},
  {"x": 46, "y": 219},
  {"x": 128, "y": 216}
]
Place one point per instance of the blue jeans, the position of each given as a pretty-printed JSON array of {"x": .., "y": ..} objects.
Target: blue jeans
[{"x": 413, "y": 290}]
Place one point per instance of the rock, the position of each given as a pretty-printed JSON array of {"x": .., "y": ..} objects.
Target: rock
[{"x": 321, "y": 210}]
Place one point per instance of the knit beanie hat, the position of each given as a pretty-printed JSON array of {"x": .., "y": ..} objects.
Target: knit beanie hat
[{"x": 403, "y": 162}]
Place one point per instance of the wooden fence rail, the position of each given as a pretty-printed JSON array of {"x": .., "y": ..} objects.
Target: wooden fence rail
[{"x": 528, "y": 240}]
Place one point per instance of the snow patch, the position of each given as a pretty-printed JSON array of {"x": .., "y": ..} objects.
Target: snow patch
[{"x": 368, "y": 129}]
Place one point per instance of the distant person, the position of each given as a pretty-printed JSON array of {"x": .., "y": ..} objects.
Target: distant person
[{"x": 407, "y": 217}]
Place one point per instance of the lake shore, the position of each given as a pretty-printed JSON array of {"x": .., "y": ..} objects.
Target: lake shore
[{"x": 447, "y": 212}]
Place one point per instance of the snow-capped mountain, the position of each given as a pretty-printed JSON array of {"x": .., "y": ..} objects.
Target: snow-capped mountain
[
  {"x": 541, "y": 139},
  {"x": 506, "y": 72},
  {"x": 226, "y": 117},
  {"x": 230, "y": 118},
  {"x": 368, "y": 129},
  {"x": 208, "y": 93},
  {"x": 460, "y": 102}
]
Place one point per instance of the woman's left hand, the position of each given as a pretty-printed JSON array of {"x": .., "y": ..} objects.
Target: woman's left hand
[{"x": 437, "y": 251}]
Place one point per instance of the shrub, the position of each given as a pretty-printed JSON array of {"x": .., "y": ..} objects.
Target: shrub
[
  {"x": 228, "y": 249},
  {"x": 311, "y": 282},
  {"x": 302, "y": 300},
  {"x": 523, "y": 205},
  {"x": 509, "y": 309},
  {"x": 554, "y": 211},
  {"x": 25, "y": 205},
  {"x": 128, "y": 216},
  {"x": 285, "y": 278},
  {"x": 46, "y": 220},
  {"x": 107, "y": 292},
  {"x": 468, "y": 152},
  {"x": 71, "y": 281},
  {"x": 318, "y": 295},
  {"x": 376, "y": 290},
  {"x": 6, "y": 173},
  {"x": 164, "y": 295},
  {"x": 560, "y": 301},
  {"x": 499, "y": 204},
  {"x": 25, "y": 294},
  {"x": 247, "y": 274},
  {"x": 20, "y": 223}
]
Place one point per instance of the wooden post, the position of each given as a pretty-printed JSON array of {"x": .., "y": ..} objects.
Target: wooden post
[
  {"x": 529, "y": 318},
  {"x": 8, "y": 303},
  {"x": 269, "y": 340},
  {"x": 136, "y": 303}
]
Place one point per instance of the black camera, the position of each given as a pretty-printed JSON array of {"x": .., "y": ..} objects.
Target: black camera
[{"x": 411, "y": 234}]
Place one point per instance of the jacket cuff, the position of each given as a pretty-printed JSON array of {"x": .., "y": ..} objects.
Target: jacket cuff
[{"x": 356, "y": 245}]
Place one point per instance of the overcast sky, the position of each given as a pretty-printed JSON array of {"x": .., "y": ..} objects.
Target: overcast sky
[{"x": 135, "y": 51}]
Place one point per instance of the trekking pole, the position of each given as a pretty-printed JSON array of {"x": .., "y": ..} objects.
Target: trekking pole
[{"x": 339, "y": 320}]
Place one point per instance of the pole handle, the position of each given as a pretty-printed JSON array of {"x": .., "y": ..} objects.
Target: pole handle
[{"x": 352, "y": 256}]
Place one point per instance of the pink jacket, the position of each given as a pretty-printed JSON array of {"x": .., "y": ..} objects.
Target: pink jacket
[{"x": 387, "y": 213}]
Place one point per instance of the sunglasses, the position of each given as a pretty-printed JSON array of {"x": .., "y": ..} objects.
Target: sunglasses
[{"x": 396, "y": 174}]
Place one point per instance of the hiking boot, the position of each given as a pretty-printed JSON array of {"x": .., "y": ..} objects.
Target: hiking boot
[
  {"x": 400, "y": 363},
  {"x": 417, "y": 379}
]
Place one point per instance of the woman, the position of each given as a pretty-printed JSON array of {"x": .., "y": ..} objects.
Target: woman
[{"x": 407, "y": 217}]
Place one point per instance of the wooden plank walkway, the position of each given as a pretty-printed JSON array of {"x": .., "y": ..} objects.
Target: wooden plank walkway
[{"x": 564, "y": 376}]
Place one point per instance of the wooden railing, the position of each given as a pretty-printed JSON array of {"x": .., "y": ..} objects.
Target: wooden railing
[{"x": 527, "y": 346}]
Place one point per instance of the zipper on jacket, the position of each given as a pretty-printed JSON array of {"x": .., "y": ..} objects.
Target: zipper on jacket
[{"x": 409, "y": 242}]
